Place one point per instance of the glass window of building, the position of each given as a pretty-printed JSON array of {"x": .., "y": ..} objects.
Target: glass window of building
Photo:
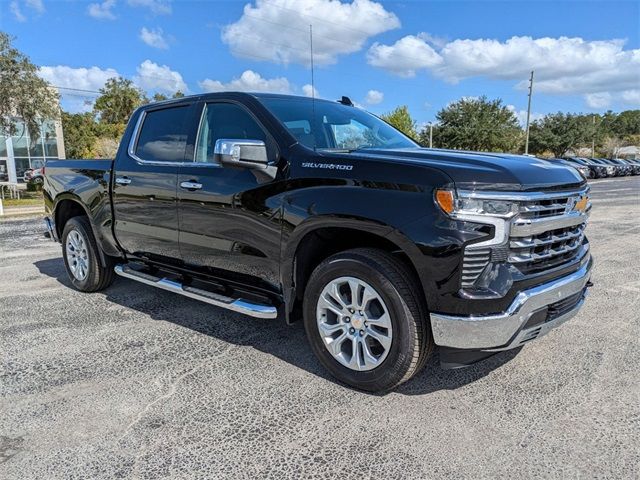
[
  {"x": 20, "y": 141},
  {"x": 50, "y": 139}
]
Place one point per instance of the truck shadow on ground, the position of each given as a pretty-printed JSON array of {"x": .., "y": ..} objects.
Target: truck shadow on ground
[{"x": 273, "y": 337}]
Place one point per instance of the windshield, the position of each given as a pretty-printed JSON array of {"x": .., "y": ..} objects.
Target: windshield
[{"x": 336, "y": 126}]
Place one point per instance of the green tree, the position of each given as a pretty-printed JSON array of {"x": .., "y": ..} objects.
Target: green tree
[
  {"x": 159, "y": 97},
  {"x": 79, "y": 134},
  {"x": 401, "y": 119},
  {"x": 559, "y": 132},
  {"x": 118, "y": 99},
  {"x": 476, "y": 124},
  {"x": 23, "y": 93},
  {"x": 178, "y": 94}
]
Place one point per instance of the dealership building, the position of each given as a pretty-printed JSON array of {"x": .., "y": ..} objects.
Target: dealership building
[{"x": 21, "y": 152}]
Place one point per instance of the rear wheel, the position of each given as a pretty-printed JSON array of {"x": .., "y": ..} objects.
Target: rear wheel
[
  {"x": 365, "y": 319},
  {"x": 81, "y": 257}
]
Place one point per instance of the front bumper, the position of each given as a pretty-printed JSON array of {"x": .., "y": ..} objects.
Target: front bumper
[{"x": 532, "y": 314}]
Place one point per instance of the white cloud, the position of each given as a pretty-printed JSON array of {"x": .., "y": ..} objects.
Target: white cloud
[
  {"x": 159, "y": 78},
  {"x": 604, "y": 100},
  {"x": 631, "y": 97},
  {"x": 36, "y": 5},
  {"x": 598, "y": 100},
  {"x": 404, "y": 57},
  {"x": 157, "y": 7},
  {"x": 102, "y": 11},
  {"x": 278, "y": 30},
  {"x": 374, "y": 97},
  {"x": 154, "y": 38},
  {"x": 15, "y": 7},
  {"x": 310, "y": 91},
  {"x": 249, "y": 81},
  {"x": 522, "y": 115},
  {"x": 563, "y": 66},
  {"x": 92, "y": 78}
]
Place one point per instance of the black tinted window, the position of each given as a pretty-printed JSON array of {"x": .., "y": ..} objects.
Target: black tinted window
[
  {"x": 225, "y": 120},
  {"x": 163, "y": 136}
]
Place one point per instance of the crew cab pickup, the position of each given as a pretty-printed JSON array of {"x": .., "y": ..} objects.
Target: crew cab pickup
[{"x": 298, "y": 208}]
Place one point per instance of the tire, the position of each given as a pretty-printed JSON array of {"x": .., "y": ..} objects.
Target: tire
[
  {"x": 81, "y": 255},
  {"x": 409, "y": 337}
]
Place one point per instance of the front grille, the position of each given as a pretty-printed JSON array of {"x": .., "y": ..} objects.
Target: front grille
[
  {"x": 547, "y": 249},
  {"x": 543, "y": 208},
  {"x": 547, "y": 233}
]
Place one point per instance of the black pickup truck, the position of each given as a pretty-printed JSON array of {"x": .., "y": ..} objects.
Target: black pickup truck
[{"x": 273, "y": 205}]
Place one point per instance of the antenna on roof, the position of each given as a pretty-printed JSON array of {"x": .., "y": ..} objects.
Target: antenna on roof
[
  {"x": 346, "y": 101},
  {"x": 313, "y": 89}
]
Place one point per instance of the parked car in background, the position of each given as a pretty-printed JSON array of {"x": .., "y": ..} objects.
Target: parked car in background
[
  {"x": 627, "y": 165},
  {"x": 595, "y": 170},
  {"x": 601, "y": 167},
  {"x": 34, "y": 175},
  {"x": 613, "y": 170},
  {"x": 635, "y": 166},
  {"x": 588, "y": 170}
]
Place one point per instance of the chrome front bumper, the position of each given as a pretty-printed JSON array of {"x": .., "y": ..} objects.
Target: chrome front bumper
[{"x": 504, "y": 331}]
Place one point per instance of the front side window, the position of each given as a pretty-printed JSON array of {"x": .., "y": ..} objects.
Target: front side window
[
  {"x": 333, "y": 126},
  {"x": 225, "y": 121},
  {"x": 163, "y": 136}
]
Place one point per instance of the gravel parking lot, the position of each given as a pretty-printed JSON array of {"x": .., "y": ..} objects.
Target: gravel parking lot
[{"x": 136, "y": 382}]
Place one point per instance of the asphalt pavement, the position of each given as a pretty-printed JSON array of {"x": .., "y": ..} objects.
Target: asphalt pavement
[{"x": 135, "y": 382}]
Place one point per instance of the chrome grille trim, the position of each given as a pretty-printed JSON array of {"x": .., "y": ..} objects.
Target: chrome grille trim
[
  {"x": 522, "y": 196},
  {"x": 526, "y": 227},
  {"x": 547, "y": 241}
]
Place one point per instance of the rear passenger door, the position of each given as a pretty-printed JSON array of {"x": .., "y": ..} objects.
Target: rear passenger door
[{"x": 146, "y": 174}]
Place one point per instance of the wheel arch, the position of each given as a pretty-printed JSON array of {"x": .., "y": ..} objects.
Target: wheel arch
[
  {"x": 319, "y": 238},
  {"x": 68, "y": 206}
]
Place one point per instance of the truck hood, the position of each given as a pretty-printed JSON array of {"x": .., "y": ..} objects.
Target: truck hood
[{"x": 484, "y": 171}]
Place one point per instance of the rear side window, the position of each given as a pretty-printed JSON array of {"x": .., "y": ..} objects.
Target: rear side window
[{"x": 163, "y": 136}]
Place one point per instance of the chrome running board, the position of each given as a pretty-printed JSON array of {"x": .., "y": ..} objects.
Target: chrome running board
[{"x": 239, "y": 305}]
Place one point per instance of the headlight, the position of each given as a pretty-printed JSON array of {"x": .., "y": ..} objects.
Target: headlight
[{"x": 454, "y": 205}]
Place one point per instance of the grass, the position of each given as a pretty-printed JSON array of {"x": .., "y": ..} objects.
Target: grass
[{"x": 27, "y": 199}]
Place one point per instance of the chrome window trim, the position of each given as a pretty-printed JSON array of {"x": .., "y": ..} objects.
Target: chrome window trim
[
  {"x": 194, "y": 162},
  {"x": 133, "y": 143}
]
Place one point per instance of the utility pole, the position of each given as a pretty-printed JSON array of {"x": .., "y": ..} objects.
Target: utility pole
[
  {"x": 593, "y": 138},
  {"x": 526, "y": 143},
  {"x": 430, "y": 135}
]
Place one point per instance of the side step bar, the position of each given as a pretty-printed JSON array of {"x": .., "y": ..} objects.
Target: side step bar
[{"x": 236, "y": 304}]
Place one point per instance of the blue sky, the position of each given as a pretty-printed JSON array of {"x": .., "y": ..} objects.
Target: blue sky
[{"x": 382, "y": 54}]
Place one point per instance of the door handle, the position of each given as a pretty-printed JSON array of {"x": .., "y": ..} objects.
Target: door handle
[
  {"x": 123, "y": 181},
  {"x": 191, "y": 185}
]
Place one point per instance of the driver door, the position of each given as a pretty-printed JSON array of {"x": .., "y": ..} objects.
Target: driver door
[{"x": 227, "y": 220}]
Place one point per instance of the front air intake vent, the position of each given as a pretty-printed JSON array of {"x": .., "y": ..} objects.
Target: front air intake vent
[{"x": 473, "y": 264}]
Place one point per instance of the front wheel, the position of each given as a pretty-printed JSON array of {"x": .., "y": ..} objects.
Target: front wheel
[
  {"x": 366, "y": 320},
  {"x": 81, "y": 257}
]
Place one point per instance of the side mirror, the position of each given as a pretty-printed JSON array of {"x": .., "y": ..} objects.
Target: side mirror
[{"x": 241, "y": 153}]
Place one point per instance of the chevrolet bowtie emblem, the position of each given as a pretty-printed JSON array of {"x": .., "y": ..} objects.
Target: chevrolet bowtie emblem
[{"x": 581, "y": 204}]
